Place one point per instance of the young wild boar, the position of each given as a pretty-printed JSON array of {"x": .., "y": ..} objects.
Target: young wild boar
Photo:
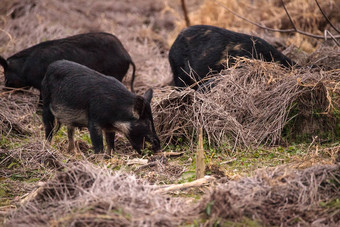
[
  {"x": 204, "y": 47},
  {"x": 100, "y": 51},
  {"x": 77, "y": 96}
]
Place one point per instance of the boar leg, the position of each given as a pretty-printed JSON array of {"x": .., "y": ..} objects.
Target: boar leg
[
  {"x": 110, "y": 141},
  {"x": 48, "y": 120},
  {"x": 96, "y": 137},
  {"x": 70, "y": 134}
]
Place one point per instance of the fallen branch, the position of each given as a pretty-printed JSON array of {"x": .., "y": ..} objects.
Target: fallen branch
[
  {"x": 332, "y": 36},
  {"x": 31, "y": 196},
  {"x": 228, "y": 161},
  {"x": 137, "y": 161},
  {"x": 197, "y": 183},
  {"x": 150, "y": 164},
  {"x": 172, "y": 154}
]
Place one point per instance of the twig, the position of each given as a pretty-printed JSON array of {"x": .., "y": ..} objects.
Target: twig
[
  {"x": 228, "y": 161},
  {"x": 13, "y": 90},
  {"x": 29, "y": 197},
  {"x": 329, "y": 22},
  {"x": 331, "y": 35},
  {"x": 305, "y": 33},
  {"x": 150, "y": 164},
  {"x": 275, "y": 30},
  {"x": 312, "y": 143},
  {"x": 137, "y": 161},
  {"x": 172, "y": 154},
  {"x": 185, "y": 12},
  {"x": 290, "y": 19},
  {"x": 254, "y": 23}
]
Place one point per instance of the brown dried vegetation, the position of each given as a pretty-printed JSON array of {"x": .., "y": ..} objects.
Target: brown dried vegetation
[
  {"x": 279, "y": 196},
  {"x": 250, "y": 104}
]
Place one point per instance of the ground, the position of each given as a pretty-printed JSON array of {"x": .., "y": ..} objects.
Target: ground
[{"x": 297, "y": 176}]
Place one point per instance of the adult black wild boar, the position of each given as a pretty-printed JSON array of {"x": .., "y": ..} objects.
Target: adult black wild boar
[
  {"x": 78, "y": 96},
  {"x": 100, "y": 51},
  {"x": 204, "y": 47}
]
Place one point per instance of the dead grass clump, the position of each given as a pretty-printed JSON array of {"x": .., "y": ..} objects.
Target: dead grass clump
[
  {"x": 16, "y": 112},
  {"x": 279, "y": 196},
  {"x": 325, "y": 57},
  {"x": 173, "y": 114},
  {"x": 249, "y": 104},
  {"x": 93, "y": 196},
  {"x": 27, "y": 159}
]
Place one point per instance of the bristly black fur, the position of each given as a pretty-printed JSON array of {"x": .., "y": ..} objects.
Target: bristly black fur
[
  {"x": 100, "y": 51},
  {"x": 78, "y": 96},
  {"x": 202, "y": 48}
]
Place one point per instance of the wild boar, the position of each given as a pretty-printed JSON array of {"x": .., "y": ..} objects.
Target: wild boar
[
  {"x": 78, "y": 96},
  {"x": 203, "y": 48},
  {"x": 100, "y": 51}
]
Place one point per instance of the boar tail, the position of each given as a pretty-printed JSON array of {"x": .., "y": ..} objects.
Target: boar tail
[{"x": 133, "y": 75}]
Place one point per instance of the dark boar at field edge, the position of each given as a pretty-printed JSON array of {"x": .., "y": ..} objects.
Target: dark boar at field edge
[
  {"x": 203, "y": 48},
  {"x": 100, "y": 51},
  {"x": 77, "y": 96}
]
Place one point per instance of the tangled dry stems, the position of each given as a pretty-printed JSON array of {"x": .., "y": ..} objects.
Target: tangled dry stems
[
  {"x": 31, "y": 159},
  {"x": 247, "y": 104},
  {"x": 80, "y": 194},
  {"x": 279, "y": 197},
  {"x": 89, "y": 195},
  {"x": 16, "y": 112},
  {"x": 92, "y": 196}
]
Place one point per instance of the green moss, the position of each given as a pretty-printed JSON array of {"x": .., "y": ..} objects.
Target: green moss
[
  {"x": 219, "y": 222},
  {"x": 32, "y": 180},
  {"x": 86, "y": 137},
  {"x": 187, "y": 176},
  {"x": 8, "y": 142},
  {"x": 244, "y": 222},
  {"x": 336, "y": 113},
  {"x": 327, "y": 125},
  {"x": 4, "y": 190},
  {"x": 5, "y": 194},
  {"x": 335, "y": 203}
]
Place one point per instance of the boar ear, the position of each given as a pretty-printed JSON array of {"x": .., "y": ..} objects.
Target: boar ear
[
  {"x": 141, "y": 102},
  {"x": 3, "y": 62},
  {"x": 139, "y": 106},
  {"x": 148, "y": 95}
]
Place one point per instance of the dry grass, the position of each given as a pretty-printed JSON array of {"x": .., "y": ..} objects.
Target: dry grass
[
  {"x": 96, "y": 196},
  {"x": 93, "y": 196},
  {"x": 279, "y": 196},
  {"x": 133, "y": 24},
  {"x": 305, "y": 14},
  {"x": 17, "y": 112},
  {"x": 248, "y": 104},
  {"x": 28, "y": 159}
]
